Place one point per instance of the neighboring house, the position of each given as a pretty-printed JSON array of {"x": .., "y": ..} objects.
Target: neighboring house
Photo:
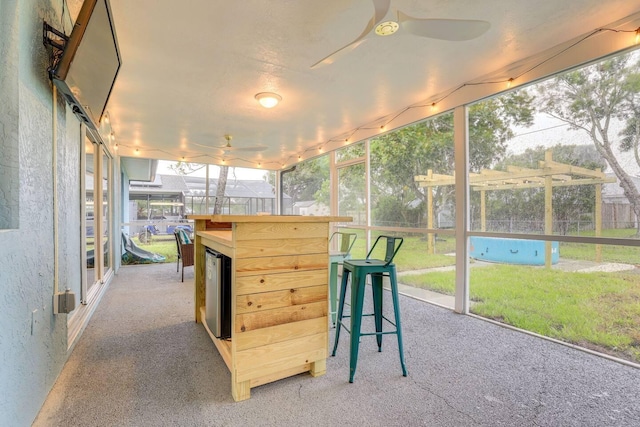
[
  {"x": 162, "y": 198},
  {"x": 173, "y": 197},
  {"x": 310, "y": 207},
  {"x": 616, "y": 209}
]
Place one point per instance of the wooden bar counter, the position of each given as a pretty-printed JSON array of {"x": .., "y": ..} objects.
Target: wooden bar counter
[{"x": 279, "y": 294}]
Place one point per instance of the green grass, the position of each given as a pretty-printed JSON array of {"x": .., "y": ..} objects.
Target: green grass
[
  {"x": 162, "y": 245},
  {"x": 413, "y": 254},
  {"x": 610, "y": 253},
  {"x": 595, "y": 310}
]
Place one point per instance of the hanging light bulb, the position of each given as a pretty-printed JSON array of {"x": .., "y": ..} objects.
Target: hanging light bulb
[{"x": 509, "y": 82}]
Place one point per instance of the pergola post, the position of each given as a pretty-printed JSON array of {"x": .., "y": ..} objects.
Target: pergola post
[
  {"x": 548, "y": 210},
  {"x": 430, "y": 236},
  {"x": 483, "y": 210},
  {"x": 598, "y": 219}
]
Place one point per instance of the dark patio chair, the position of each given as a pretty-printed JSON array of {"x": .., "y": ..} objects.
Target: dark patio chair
[{"x": 185, "y": 250}]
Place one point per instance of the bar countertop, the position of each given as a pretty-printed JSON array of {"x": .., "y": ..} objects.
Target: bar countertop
[{"x": 270, "y": 218}]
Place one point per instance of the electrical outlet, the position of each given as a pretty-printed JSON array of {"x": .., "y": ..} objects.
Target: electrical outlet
[{"x": 64, "y": 302}]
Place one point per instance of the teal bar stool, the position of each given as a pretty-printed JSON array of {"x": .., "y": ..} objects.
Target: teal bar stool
[
  {"x": 344, "y": 242},
  {"x": 360, "y": 269}
]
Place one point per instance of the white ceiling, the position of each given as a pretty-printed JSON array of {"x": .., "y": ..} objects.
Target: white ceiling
[{"x": 191, "y": 69}]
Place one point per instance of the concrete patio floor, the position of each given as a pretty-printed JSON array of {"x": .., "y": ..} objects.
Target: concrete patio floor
[{"x": 143, "y": 361}]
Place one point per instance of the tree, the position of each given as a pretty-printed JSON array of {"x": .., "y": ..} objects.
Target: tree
[
  {"x": 220, "y": 189},
  {"x": 186, "y": 168},
  {"x": 306, "y": 179},
  {"x": 399, "y": 156},
  {"x": 594, "y": 100}
]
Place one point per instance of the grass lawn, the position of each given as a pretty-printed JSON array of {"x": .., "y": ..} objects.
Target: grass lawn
[
  {"x": 610, "y": 253},
  {"x": 164, "y": 245},
  {"x": 600, "y": 311}
]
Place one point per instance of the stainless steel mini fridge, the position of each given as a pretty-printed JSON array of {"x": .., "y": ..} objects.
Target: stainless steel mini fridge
[{"x": 218, "y": 293}]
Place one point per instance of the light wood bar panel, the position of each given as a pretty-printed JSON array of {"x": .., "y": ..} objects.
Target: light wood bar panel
[{"x": 279, "y": 292}]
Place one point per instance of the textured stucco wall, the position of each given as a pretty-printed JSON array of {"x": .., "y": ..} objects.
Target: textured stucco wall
[
  {"x": 33, "y": 341},
  {"x": 9, "y": 116}
]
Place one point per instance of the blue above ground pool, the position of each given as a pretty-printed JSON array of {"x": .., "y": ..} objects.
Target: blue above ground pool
[{"x": 512, "y": 251}]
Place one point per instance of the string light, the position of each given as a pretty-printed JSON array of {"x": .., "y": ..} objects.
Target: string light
[
  {"x": 434, "y": 105},
  {"x": 115, "y": 147}
]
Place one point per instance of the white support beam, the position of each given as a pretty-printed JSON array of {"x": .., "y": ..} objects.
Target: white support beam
[{"x": 461, "y": 153}]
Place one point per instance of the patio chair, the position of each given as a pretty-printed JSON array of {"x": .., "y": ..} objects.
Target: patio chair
[
  {"x": 377, "y": 269},
  {"x": 185, "y": 250}
]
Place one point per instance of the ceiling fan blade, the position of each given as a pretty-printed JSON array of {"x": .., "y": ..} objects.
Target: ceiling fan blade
[
  {"x": 255, "y": 148},
  {"x": 443, "y": 29},
  {"x": 333, "y": 57},
  {"x": 228, "y": 147},
  {"x": 381, "y": 8}
]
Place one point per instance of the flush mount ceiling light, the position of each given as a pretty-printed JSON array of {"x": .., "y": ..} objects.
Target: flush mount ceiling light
[
  {"x": 387, "y": 28},
  {"x": 268, "y": 99}
]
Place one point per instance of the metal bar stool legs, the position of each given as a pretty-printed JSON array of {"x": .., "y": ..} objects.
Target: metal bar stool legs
[
  {"x": 339, "y": 325},
  {"x": 396, "y": 311},
  {"x": 333, "y": 284},
  {"x": 358, "y": 286}
]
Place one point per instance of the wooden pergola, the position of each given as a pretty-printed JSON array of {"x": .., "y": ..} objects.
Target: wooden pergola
[{"x": 548, "y": 175}]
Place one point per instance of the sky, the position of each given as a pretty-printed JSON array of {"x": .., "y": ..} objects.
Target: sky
[
  {"x": 547, "y": 132},
  {"x": 240, "y": 173}
]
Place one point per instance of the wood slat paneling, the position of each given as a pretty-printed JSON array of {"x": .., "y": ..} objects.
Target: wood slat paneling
[
  {"x": 277, "y": 247},
  {"x": 264, "y": 319},
  {"x": 280, "y": 264},
  {"x": 277, "y": 230},
  {"x": 278, "y": 299},
  {"x": 275, "y": 334},
  {"x": 260, "y": 361},
  {"x": 273, "y": 282}
]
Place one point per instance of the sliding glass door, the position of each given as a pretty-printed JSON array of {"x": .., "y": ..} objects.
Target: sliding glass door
[{"x": 98, "y": 190}]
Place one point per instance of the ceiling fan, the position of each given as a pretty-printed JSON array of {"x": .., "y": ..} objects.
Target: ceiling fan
[
  {"x": 228, "y": 147},
  {"x": 386, "y": 21}
]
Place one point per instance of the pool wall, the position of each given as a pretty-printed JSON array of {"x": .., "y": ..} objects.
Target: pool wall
[{"x": 512, "y": 251}]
